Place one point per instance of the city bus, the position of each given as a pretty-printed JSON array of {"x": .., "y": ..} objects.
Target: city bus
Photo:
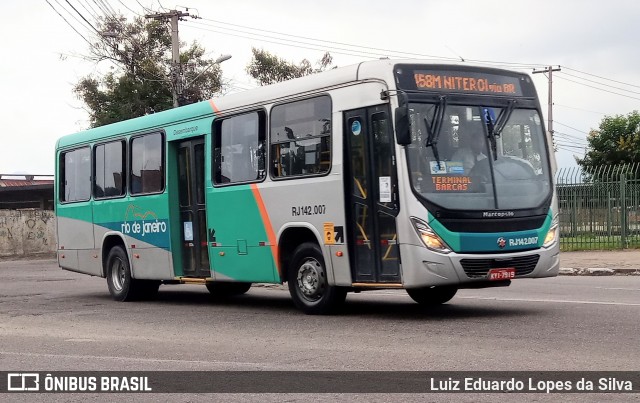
[{"x": 349, "y": 180}]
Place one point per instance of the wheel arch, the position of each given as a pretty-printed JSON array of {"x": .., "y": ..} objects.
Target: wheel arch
[
  {"x": 110, "y": 240},
  {"x": 289, "y": 238}
]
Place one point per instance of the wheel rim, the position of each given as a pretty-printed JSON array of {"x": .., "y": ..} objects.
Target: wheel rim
[
  {"x": 311, "y": 280},
  {"x": 118, "y": 274}
]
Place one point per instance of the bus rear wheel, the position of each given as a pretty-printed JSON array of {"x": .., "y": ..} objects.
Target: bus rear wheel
[
  {"x": 308, "y": 284},
  {"x": 122, "y": 286},
  {"x": 220, "y": 289},
  {"x": 431, "y": 296}
]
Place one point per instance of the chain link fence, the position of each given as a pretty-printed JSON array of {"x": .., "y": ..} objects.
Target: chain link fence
[{"x": 599, "y": 208}]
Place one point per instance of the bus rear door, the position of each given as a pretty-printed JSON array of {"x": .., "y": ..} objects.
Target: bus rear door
[{"x": 195, "y": 256}]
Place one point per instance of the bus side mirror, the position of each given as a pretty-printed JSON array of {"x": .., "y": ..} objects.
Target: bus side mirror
[{"x": 403, "y": 132}]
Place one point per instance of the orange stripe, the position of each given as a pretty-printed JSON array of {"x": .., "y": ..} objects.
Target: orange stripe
[
  {"x": 213, "y": 106},
  {"x": 267, "y": 226}
]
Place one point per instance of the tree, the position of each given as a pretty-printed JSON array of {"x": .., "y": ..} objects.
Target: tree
[
  {"x": 139, "y": 82},
  {"x": 617, "y": 141},
  {"x": 267, "y": 68}
]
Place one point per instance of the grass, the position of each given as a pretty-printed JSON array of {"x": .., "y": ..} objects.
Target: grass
[{"x": 597, "y": 242}]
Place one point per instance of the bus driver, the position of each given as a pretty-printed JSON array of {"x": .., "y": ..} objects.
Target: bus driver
[{"x": 471, "y": 147}]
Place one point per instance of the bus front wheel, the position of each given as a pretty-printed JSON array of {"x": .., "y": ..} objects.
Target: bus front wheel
[
  {"x": 308, "y": 284},
  {"x": 432, "y": 295}
]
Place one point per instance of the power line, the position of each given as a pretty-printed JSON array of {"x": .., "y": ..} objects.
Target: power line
[
  {"x": 317, "y": 48},
  {"x": 74, "y": 16},
  {"x": 144, "y": 8},
  {"x": 91, "y": 12},
  {"x": 603, "y": 78},
  {"x": 565, "y": 137},
  {"x": 324, "y": 45},
  {"x": 332, "y": 43},
  {"x": 581, "y": 152},
  {"x": 578, "y": 130},
  {"x": 291, "y": 42},
  {"x": 108, "y": 7},
  {"x": 65, "y": 20},
  {"x": 600, "y": 89},
  {"x": 599, "y": 83},
  {"x": 101, "y": 7},
  {"x": 578, "y": 109},
  {"x": 127, "y": 7},
  {"x": 83, "y": 17}
]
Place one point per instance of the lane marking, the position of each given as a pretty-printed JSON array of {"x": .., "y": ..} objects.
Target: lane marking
[
  {"x": 558, "y": 301},
  {"x": 618, "y": 289},
  {"x": 133, "y": 359}
]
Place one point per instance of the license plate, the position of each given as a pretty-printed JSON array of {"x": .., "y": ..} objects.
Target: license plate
[{"x": 502, "y": 274}]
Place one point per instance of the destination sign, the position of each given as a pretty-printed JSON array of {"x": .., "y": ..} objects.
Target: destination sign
[
  {"x": 473, "y": 81},
  {"x": 470, "y": 82}
]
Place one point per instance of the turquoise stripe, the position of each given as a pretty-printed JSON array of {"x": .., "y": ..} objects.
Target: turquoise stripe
[{"x": 465, "y": 242}]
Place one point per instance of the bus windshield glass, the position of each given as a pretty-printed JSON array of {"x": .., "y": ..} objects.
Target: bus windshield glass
[{"x": 466, "y": 157}]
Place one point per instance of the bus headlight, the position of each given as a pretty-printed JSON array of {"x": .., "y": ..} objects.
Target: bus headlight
[
  {"x": 552, "y": 235},
  {"x": 430, "y": 239}
]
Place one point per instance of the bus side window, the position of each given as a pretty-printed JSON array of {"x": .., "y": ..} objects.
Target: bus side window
[
  {"x": 238, "y": 142},
  {"x": 301, "y": 138},
  {"x": 147, "y": 164},
  {"x": 108, "y": 160}
]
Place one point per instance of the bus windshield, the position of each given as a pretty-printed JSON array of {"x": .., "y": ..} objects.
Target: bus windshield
[{"x": 465, "y": 157}]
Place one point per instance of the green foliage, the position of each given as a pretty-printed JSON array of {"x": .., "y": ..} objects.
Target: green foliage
[
  {"x": 140, "y": 82},
  {"x": 267, "y": 68},
  {"x": 617, "y": 141}
]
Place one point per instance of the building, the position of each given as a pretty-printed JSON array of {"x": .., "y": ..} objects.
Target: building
[{"x": 26, "y": 191}]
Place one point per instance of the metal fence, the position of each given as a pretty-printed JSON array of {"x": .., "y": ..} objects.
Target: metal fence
[{"x": 599, "y": 208}]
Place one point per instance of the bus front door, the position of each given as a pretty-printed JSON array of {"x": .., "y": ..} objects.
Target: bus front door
[
  {"x": 371, "y": 192},
  {"x": 195, "y": 256}
]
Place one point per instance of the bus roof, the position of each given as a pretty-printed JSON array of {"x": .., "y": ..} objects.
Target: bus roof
[{"x": 369, "y": 70}]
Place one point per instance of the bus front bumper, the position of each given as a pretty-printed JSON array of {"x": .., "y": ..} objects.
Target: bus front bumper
[{"x": 422, "y": 267}]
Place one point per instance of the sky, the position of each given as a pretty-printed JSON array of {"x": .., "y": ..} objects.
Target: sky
[{"x": 595, "y": 43}]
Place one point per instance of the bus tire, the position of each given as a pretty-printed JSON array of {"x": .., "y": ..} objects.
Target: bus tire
[
  {"x": 308, "y": 284},
  {"x": 122, "y": 286},
  {"x": 430, "y": 296},
  {"x": 220, "y": 289}
]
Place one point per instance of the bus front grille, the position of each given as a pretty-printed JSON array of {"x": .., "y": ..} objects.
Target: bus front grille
[{"x": 479, "y": 268}]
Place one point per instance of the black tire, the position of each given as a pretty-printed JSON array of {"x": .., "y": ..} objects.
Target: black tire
[
  {"x": 121, "y": 285},
  {"x": 220, "y": 289},
  {"x": 430, "y": 296},
  {"x": 308, "y": 285}
]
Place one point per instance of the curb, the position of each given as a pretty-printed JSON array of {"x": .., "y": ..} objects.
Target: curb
[{"x": 598, "y": 271}]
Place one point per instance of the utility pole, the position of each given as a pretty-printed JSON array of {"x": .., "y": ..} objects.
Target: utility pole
[
  {"x": 176, "y": 68},
  {"x": 549, "y": 70}
]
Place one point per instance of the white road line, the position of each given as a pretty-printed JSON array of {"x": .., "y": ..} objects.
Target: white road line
[
  {"x": 134, "y": 359},
  {"x": 558, "y": 301},
  {"x": 618, "y": 289}
]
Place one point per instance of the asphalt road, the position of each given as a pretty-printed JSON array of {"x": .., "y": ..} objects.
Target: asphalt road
[{"x": 53, "y": 320}]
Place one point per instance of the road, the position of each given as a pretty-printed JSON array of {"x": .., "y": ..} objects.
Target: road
[{"x": 52, "y": 320}]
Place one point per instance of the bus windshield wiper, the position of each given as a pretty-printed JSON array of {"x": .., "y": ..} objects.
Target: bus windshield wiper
[
  {"x": 503, "y": 118},
  {"x": 491, "y": 132},
  {"x": 495, "y": 129},
  {"x": 433, "y": 129}
]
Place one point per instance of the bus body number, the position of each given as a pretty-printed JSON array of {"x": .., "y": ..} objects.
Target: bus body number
[{"x": 308, "y": 210}]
